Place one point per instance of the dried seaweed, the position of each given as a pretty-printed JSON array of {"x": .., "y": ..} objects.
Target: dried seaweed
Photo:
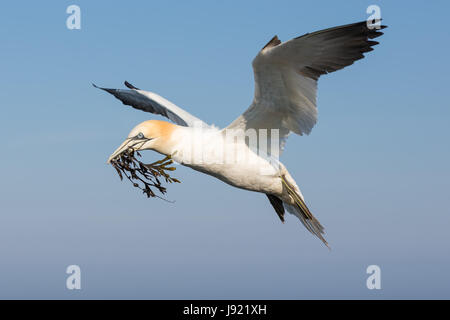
[{"x": 146, "y": 177}]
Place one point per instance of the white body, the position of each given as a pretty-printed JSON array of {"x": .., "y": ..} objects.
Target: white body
[
  {"x": 208, "y": 151},
  {"x": 286, "y": 75}
]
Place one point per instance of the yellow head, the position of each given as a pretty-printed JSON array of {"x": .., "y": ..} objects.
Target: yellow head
[{"x": 149, "y": 135}]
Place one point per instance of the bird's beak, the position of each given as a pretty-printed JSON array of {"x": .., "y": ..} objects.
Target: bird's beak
[
  {"x": 133, "y": 143},
  {"x": 127, "y": 144}
]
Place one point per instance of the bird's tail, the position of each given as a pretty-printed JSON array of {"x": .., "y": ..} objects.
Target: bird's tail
[{"x": 301, "y": 211}]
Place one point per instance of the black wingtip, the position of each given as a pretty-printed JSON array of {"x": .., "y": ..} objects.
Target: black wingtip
[
  {"x": 130, "y": 86},
  {"x": 111, "y": 91}
]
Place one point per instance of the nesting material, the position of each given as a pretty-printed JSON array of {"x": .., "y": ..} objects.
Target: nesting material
[{"x": 147, "y": 177}]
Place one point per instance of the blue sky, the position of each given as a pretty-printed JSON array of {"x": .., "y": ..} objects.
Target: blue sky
[{"x": 375, "y": 169}]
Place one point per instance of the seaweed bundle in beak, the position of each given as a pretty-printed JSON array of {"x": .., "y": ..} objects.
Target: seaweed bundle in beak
[{"x": 146, "y": 177}]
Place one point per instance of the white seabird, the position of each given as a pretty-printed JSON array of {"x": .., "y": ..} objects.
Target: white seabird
[{"x": 286, "y": 75}]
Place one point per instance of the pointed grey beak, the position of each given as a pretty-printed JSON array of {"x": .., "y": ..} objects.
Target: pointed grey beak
[{"x": 127, "y": 144}]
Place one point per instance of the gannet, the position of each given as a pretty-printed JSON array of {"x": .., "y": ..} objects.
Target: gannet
[{"x": 286, "y": 75}]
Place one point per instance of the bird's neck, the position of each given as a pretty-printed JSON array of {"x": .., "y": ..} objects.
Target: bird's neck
[
  {"x": 168, "y": 136},
  {"x": 188, "y": 143}
]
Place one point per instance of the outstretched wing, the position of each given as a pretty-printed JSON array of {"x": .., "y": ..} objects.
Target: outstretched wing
[
  {"x": 153, "y": 103},
  {"x": 286, "y": 76}
]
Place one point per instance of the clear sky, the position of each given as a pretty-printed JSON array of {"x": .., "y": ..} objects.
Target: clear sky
[{"x": 375, "y": 169}]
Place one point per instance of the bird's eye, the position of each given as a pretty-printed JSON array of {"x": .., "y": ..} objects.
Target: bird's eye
[{"x": 140, "y": 135}]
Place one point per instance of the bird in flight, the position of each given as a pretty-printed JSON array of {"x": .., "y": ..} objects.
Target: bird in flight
[{"x": 286, "y": 75}]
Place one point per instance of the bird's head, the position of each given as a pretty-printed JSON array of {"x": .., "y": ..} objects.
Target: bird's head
[{"x": 149, "y": 135}]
